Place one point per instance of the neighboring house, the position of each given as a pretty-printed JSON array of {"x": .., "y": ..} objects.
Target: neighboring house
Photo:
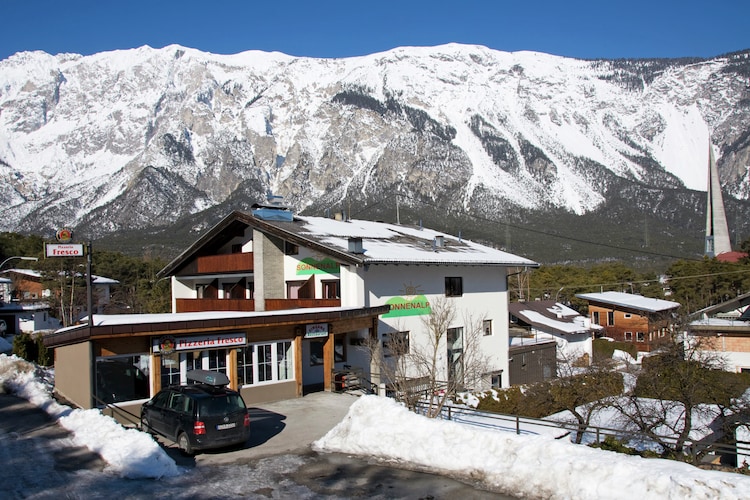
[
  {"x": 28, "y": 288},
  {"x": 550, "y": 320},
  {"x": 531, "y": 359},
  {"x": 724, "y": 329},
  {"x": 280, "y": 303},
  {"x": 23, "y": 316},
  {"x": 5, "y": 290},
  {"x": 646, "y": 322}
]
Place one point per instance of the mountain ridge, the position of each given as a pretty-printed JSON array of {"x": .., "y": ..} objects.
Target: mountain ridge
[{"x": 138, "y": 139}]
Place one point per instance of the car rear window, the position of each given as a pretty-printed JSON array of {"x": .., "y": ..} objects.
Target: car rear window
[{"x": 220, "y": 405}]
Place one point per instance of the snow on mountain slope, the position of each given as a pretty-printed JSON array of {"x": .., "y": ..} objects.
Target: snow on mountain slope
[{"x": 80, "y": 136}]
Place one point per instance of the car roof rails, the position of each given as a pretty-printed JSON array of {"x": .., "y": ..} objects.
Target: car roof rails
[{"x": 214, "y": 379}]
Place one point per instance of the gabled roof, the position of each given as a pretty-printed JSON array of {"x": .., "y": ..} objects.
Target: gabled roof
[
  {"x": 733, "y": 304},
  {"x": 552, "y": 317},
  {"x": 630, "y": 301},
  {"x": 381, "y": 243}
]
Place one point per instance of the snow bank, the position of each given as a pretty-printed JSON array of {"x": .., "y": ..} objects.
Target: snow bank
[
  {"x": 129, "y": 452},
  {"x": 522, "y": 466}
]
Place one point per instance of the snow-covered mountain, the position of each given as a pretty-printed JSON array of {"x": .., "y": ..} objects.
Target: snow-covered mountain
[{"x": 140, "y": 138}]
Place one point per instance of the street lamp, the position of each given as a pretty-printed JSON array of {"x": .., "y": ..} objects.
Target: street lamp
[{"x": 20, "y": 257}]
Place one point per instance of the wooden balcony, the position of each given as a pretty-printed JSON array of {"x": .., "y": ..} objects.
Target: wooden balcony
[
  {"x": 280, "y": 304},
  {"x": 247, "y": 305},
  {"x": 226, "y": 263},
  {"x": 199, "y": 305}
]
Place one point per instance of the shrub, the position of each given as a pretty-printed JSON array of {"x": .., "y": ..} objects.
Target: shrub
[{"x": 31, "y": 349}]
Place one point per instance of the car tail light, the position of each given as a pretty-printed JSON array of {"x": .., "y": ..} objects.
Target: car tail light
[
  {"x": 199, "y": 428},
  {"x": 246, "y": 423}
]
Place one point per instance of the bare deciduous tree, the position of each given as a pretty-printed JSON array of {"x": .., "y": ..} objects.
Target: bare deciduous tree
[
  {"x": 584, "y": 391},
  {"x": 434, "y": 363},
  {"x": 679, "y": 388}
]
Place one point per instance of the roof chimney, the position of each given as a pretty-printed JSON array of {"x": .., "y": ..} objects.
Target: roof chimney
[{"x": 355, "y": 245}]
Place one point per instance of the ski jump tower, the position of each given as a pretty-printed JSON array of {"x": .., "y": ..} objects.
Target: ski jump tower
[{"x": 717, "y": 230}]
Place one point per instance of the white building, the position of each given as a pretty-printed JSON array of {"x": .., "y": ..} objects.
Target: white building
[
  {"x": 550, "y": 320},
  {"x": 273, "y": 260}
]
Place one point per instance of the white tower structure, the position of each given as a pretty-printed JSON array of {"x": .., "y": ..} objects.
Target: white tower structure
[{"x": 717, "y": 230}]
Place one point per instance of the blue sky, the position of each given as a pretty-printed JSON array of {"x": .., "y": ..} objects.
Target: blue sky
[{"x": 574, "y": 28}]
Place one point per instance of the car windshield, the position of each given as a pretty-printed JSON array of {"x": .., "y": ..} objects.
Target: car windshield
[{"x": 221, "y": 405}]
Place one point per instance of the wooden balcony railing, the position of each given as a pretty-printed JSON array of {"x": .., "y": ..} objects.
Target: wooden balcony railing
[
  {"x": 198, "y": 305},
  {"x": 231, "y": 262},
  {"x": 279, "y": 304},
  {"x": 247, "y": 305}
]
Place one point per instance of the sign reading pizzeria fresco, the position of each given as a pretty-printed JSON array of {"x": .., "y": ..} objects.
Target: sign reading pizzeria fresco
[
  {"x": 64, "y": 250},
  {"x": 198, "y": 342},
  {"x": 311, "y": 265}
]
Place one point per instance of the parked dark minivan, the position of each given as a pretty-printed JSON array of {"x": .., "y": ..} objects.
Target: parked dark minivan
[{"x": 198, "y": 416}]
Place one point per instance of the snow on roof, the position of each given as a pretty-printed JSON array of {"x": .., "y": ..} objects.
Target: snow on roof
[
  {"x": 630, "y": 300},
  {"x": 564, "y": 326},
  {"x": 31, "y": 273},
  {"x": 553, "y": 315},
  {"x": 391, "y": 243},
  {"x": 130, "y": 319}
]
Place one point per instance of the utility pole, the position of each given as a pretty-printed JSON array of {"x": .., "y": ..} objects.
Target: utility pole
[{"x": 89, "y": 285}]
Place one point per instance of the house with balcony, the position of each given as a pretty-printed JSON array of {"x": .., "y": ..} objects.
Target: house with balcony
[
  {"x": 273, "y": 260},
  {"x": 643, "y": 321},
  {"x": 722, "y": 331},
  {"x": 550, "y": 320},
  {"x": 281, "y": 303}
]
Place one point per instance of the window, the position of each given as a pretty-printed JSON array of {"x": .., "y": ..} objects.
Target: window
[
  {"x": 610, "y": 318},
  {"x": 122, "y": 378},
  {"x": 627, "y": 315},
  {"x": 330, "y": 289},
  {"x": 339, "y": 350},
  {"x": 640, "y": 337},
  {"x": 395, "y": 344},
  {"x": 293, "y": 289},
  {"x": 454, "y": 286},
  {"x": 290, "y": 248},
  {"x": 628, "y": 336},
  {"x": 264, "y": 363},
  {"x": 497, "y": 380},
  {"x": 316, "y": 351},
  {"x": 455, "y": 340},
  {"x": 170, "y": 369},
  {"x": 595, "y": 317},
  {"x": 487, "y": 327}
]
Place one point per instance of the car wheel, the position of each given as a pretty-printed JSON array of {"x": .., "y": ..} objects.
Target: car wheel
[
  {"x": 146, "y": 425},
  {"x": 183, "y": 443}
]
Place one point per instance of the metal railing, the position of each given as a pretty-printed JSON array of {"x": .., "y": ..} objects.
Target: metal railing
[
  {"x": 123, "y": 416},
  {"x": 692, "y": 450}
]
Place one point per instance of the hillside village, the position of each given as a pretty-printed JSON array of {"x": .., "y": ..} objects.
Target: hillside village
[{"x": 286, "y": 305}]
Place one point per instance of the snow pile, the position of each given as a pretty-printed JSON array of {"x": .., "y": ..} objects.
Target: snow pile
[
  {"x": 524, "y": 466},
  {"x": 129, "y": 452}
]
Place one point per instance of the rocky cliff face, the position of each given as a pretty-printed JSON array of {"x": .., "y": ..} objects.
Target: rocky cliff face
[{"x": 144, "y": 138}]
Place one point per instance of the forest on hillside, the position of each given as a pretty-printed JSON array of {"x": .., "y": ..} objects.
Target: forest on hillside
[{"x": 694, "y": 283}]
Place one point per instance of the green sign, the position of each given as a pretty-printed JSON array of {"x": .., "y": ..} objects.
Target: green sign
[
  {"x": 401, "y": 306},
  {"x": 313, "y": 266}
]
